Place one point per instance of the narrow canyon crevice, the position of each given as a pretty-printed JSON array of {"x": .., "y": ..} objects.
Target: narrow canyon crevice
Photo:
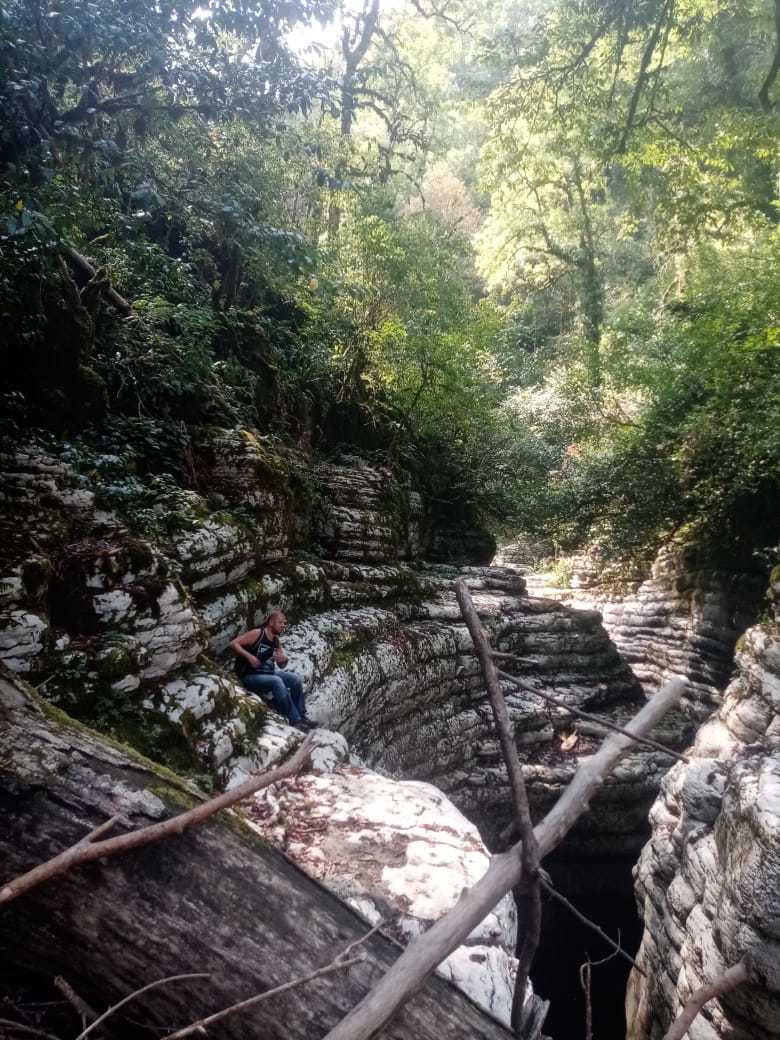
[{"x": 602, "y": 890}]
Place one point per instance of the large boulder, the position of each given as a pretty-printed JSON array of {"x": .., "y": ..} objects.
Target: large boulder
[{"x": 396, "y": 851}]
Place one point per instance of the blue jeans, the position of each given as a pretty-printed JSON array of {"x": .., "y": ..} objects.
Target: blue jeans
[{"x": 285, "y": 688}]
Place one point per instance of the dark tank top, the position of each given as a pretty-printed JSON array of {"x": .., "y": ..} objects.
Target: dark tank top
[{"x": 263, "y": 650}]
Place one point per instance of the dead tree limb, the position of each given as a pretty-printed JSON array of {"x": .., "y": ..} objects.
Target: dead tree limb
[
  {"x": 342, "y": 960},
  {"x": 81, "y": 1007},
  {"x": 585, "y": 973},
  {"x": 505, "y": 871},
  {"x": 88, "y": 849},
  {"x": 20, "y": 1027},
  {"x": 81, "y": 262},
  {"x": 551, "y": 890},
  {"x": 735, "y": 976},
  {"x": 137, "y": 993},
  {"x": 528, "y": 895},
  {"x": 580, "y": 714}
]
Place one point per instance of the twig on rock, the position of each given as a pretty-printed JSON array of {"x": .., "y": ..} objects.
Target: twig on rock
[
  {"x": 730, "y": 979},
  {"x": 88, "y": 848},
  {"x": 137, "y": 993},
  {"x": 580, "y": 714},
  {"x": 342, "y": 960},
  {"x": 505, "y": 870},
  {"x": 528, "y": 894},
  {"x": 548, "y": 887}
]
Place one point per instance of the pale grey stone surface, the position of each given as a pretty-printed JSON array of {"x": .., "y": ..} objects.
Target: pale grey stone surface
[
  {"x": 683, "y": 617},
  {"x": 398, "y": 851},
  {"x": 708, "y": 882}
]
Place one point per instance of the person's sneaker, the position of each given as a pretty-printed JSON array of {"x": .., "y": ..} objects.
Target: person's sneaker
[
  {"x": 308, "y": 723},
  {"x": 300, "y": 726}
]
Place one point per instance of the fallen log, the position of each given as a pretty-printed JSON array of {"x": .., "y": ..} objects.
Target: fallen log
[{"x": 216, "y": 899}]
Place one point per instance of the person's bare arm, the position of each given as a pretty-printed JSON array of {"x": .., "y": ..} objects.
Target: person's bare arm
[{"x": 240, "y": 643}]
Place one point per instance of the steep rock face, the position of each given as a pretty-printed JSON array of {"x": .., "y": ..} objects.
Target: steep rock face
[
  {"x": 367, "y": 516},
  {"x": 103, "y": 616},
  {"x": 682, "y": 618},
  {"x": 708, "y": 882},
  {"x": 406, "y": 690},
  {"x": 399, "y": 852}
]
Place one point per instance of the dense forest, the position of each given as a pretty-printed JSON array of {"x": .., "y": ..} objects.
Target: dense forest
[{"x": 527, "y": 251}]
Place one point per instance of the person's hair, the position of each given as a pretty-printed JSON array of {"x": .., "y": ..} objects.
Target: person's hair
[{"x": 275, "y": 612}]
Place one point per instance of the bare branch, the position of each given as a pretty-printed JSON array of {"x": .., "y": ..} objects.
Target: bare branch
[
  {"x": 585, "y": 973},
  {"x": 81, "y": 1007},
  {"x": 528, "y": 895},
  {"x": 504, "y": 872},
  {"x": 578, "y": 713},
  {"x": 137, "y": 993},
  {"x": 87, "y": 850},
  {"x": 202, "y": 1024},
  {"x": 342, "y": 960},
  {"x": 548, "y": 887},
  {"x": 20, "y": 1027},
  {"x": 735, "y": 976}
]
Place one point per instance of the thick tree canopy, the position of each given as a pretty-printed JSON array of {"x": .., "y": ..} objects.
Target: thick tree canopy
[{"x": 528, "y": 249}]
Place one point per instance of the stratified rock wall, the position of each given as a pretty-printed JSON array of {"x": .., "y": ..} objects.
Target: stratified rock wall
[
  {"x": 100, "y": 614},
  {"x": 708, "y": 882},
  {"x": 683, "y": 618}
]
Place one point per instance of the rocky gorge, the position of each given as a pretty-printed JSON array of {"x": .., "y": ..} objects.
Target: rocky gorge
[{"x": 119, "y": 597}]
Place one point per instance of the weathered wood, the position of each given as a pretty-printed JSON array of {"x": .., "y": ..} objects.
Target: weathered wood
[
  {"x": 505, "y": 871},
  {"x": 80, "y": 261},
  {"x": 725, "y": 983},
  {"x": 88, "y": 849},
  {"x": 215, "y": 899},
  {"x": 527, "y": 894}
]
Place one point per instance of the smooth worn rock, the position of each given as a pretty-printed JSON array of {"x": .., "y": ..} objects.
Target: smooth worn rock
[{"x": 399, "y": 852}]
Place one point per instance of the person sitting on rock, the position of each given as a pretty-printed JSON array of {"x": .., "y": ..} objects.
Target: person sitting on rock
[{"x": 261, "y": 663}]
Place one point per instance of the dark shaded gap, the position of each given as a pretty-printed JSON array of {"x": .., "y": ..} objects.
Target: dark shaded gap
[{"x": 602, "y": 889}]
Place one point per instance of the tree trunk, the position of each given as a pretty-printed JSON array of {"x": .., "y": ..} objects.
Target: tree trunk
[{"x": 216, "y": 899}]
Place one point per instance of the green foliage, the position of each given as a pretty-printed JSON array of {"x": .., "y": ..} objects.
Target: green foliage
[
  {"x": 524, "y": 253},
  {"x": 700, "y": 378}
]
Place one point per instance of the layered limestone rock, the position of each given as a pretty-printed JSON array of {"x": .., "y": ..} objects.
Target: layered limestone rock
[
  {"x": 683, "y": 618},
  {"x": 405, "y": 688},
  {"x": 398, "y": 852},
  {"x": 114, "y": 608},
  {"x": 103, "y": 615},
  {"x": 367, "y": 515},
  {"x": 708, "y": 882}
]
